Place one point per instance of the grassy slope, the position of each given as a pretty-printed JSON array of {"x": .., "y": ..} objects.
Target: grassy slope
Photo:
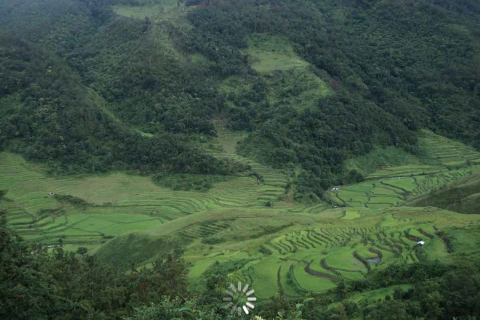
[
  {"x": 231, "y": 222},
  {"x": 163, "y": 14},
  {"x": 281, "y": 241},
  {"x": 268, "y": 54},
  {"x": 325, "y": 241},
  {"x": 401, "y": 176},
  {"x": 282, "y": 245},
  {"x": 29, "y": 191},
  {"x": 461, "y": 196},
  {"x": 290, "y": 79}
]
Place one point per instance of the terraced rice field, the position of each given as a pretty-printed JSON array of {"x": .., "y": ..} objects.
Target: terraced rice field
[
  {"x": 446, "y": 151},
  {"x": 38, "y": 216},
  {"x": 36, "y": 212},
  {"x": 445, "y": 161},
  {"x": 305, "y": 253},
  {"x": 277, "y": 244}
]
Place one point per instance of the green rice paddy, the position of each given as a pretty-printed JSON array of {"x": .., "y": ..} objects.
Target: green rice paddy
[
  {"x": 303, "y": 253},
  {"x": 300, "y": 249},
  {"x": 444, "y": 161}
]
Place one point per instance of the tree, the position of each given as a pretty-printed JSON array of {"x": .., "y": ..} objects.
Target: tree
[
  {"x": 25, "y": 292},
  {"x": 82, "y": 251},
  {"x": 169, "y": 309}
]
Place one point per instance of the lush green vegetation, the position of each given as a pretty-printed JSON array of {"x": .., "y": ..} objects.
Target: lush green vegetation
[
  {"x": 48, "y": 114},
  {"x": 89, "y": 210},
  {"x": 154, "y": 151},
  {"x": 284, "y": 247},
  {"x": 461, "y": 196},
  {"x": 300, "y": 77},
  {"x": 340, "y": 40},
  {"x": 59, "y": 285}
]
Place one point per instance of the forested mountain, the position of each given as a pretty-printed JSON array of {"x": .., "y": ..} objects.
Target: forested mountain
[
  {"x": 88, "y": 81},
  {"x": 326, "y": 152}
]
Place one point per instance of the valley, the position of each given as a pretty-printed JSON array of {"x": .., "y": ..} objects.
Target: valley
[
  {"x": 249, "y": 223},
  {"x": 154, "y": 152}
]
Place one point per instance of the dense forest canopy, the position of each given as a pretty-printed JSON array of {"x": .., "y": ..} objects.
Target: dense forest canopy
[
  {"x": 83, "y": 86},
  {"x": 49, "y": 115}
]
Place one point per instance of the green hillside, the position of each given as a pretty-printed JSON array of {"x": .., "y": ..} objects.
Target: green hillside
[
  {"x": 461, "y": 196},
  {"x": 302, "y": 253},
  {"x": 164, "y": 68},
  {"x": 284, "y": 245},
  {"x": 155, "y": 152}
]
